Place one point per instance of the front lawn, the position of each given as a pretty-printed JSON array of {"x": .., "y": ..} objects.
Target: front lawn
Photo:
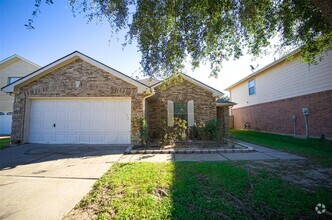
[
  {"x": 188, "y": 190},
  {"x": 4, "y": 143},
  {"x": 317, "y": 149}
]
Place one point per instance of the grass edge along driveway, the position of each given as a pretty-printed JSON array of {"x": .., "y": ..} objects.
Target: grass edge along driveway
[
  {"x": 189, "y": 190},
  {"x": 316, "y": 149},
  {"x": 4, "y": 142}
]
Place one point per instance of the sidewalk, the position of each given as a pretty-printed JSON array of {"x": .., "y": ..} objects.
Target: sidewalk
[{"x": 260, "y": 153}]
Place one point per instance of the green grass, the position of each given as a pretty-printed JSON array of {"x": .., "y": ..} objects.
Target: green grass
[
  {"x": 4, "y": 143},
  {"x": 317, "y": 149},
  {"x": 188, "y": 190}
]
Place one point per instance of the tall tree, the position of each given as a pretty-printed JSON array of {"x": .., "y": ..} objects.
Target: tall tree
[{"x": 170, "y": 31}]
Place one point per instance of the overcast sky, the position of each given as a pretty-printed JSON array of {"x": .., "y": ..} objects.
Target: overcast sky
[{"x": 57, "y": 33}]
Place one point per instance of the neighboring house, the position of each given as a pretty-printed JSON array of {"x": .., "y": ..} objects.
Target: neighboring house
[
  {"x": 77, "y": 99},
  {"x": 287, "y": 96},
  {"x": 11, "y": 69}
]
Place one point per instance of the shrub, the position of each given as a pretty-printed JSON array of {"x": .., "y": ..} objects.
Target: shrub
[
  {"x": 208, "y": 131},
  {"x": 212, "y": 129},
  {"x": 177, "y": 132},
  {"x": 142, "y": 130}
]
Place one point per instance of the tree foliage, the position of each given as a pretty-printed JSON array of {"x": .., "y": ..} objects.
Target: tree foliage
[{"x": 170, "y": 32}]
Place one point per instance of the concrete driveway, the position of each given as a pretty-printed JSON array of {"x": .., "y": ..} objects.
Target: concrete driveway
[{"x": 47, "y": 181}]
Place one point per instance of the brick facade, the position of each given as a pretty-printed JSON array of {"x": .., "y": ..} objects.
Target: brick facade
[
  {"x": 204, "y": 104},
  {"x": 276, "y": 116},
  {"x": 224, "y": 119},
  {"x": 94, "y": 82}
]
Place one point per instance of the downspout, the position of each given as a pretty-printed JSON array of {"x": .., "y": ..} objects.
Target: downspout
[
  {"x": 306, "y": 126},
  {"x": 152, "y": 93},
  {"x": 305, "y": 112},
  {"x": 294, "y": 125}
]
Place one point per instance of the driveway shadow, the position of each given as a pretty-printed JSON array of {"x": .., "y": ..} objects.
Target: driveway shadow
[{"x": 36, "y": 153}]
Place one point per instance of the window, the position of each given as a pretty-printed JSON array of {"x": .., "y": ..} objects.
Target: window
[
  {"x": 9, "y": 113},
  {"x": 181, "y": 111},
  {"x": 251, "y": 85},
  {"x": 2, "y": 113},
  {"x": 185, "y": 111},
  {"x": 13, "y": 79}
]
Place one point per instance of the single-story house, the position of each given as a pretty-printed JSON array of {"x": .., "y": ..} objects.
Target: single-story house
[
  {"x": 77, "y": 99},
  {"x": 287, "y": 97},
  {"x": 11, "y": 69}
]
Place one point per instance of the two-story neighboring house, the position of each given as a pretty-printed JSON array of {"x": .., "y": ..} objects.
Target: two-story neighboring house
[
  {"x": 11, "y": 69},
  {"x": 287, "y": 96}
]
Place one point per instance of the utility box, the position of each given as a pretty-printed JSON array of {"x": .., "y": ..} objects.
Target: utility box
[{"x": 305, "y": 111}]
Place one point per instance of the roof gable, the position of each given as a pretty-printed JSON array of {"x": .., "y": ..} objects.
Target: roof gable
[
  {"x": 9, "y": 60},
  {"x": 263, "y": 70},
  {"x": 68, "y": 59},
  {"x": 214, "y": 92}
]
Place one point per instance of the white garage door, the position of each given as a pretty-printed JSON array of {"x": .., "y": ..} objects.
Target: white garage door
[
  {"x": 5, "y": 123},
  {"x": 88, "y": 121}
]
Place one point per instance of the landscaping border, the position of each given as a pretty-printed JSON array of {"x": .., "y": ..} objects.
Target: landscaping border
[{"x": 245, "y": 149}]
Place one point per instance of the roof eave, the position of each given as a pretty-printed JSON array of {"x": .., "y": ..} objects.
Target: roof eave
[
  {"x": 15, "y": 56},
  {"x": 215, "y": 93},
  {"x": 67, "y": 59},
  {"x": 225, "y": 104}
]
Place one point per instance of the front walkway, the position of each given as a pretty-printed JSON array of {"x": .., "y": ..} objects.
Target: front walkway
[{"x": 260, "y": 153}]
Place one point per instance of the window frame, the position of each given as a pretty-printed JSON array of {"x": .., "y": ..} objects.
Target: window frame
[
  {"x": 252, "y": 88},
  {"x": 185, "y": 112}
]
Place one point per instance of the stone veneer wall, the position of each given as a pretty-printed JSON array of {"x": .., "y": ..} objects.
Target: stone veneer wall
[
  {"x": 204, "y": 104},
  {"x": 95, "y": 82},
  {"x": 276, "y": 116},
  {"x": 224, "y": 119}
]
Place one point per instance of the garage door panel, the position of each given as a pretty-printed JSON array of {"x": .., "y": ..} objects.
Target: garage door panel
[
  {"x": 84, "y": 138},
  {"x": 111, "y": 105},
  {"x": 100, "y": 138},
  {"x": 111, "y": 127},
  {"x": 49, "y": 104},
  {"x": 86, "y": 104},
  {"x": 123, "y": 105},
  {"x": 61, "y": 126},
  {"x": 36, "y": 114},
  {"x": 73, "y": 115},
  {"x": 35, "y": 138},
  {"x": 125, "y": 136},
  {"x": 36, "y": 126},
  {"x": 60, "y": 138},
  {"x": 99, "y": 125},
  {"x": 60, "y": 115},
  {"x": 72, "y": 138},
  {"x": 85, "y": 126},
  {"x": 72, "y": 104},
  {"x": 73, "y": 126},
  {"x": 98, "y": 104},
  {"x": 112, "y": 138},
  {"x": 48, "y": 137},
  {"x": 80, "y": 121},
  {"x": 49, "y": 115},
  {"x": 85, "y": 115}
]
